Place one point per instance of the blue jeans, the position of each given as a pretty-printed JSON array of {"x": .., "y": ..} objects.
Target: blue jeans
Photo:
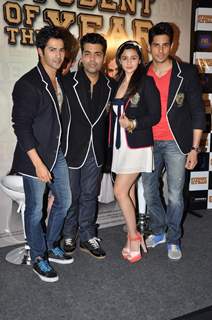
[
  {"x": 38, "y": 240},
  {"x": 85, "y": 186},
  {"x": 166, "y": 154}
]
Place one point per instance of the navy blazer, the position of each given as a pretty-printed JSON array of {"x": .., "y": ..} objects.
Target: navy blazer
[
  {"x": 185, "y": 110},
  {"x": 86, "y": 132},
  {"x": 37, "y": 121},
  {"x": 147, "y": 112}
]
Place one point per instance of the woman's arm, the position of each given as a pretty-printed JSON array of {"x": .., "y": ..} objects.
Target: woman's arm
[{"x": 151, "y": 98}]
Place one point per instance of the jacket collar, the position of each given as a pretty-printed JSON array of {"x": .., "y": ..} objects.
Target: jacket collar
[
  {"x": 48, "y": 84},
  {"x": 46, "y": 80},
  {"x": 176, "y": 81},
  {"x": 50, "y": 89},
  {"x": 105, "y": 91}
]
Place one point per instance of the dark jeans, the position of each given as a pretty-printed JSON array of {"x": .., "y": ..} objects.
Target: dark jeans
[
  {"x": 166, "y": 153},
  {"x": 34, "y": 189},
  {"x": 82, "y": 215}
]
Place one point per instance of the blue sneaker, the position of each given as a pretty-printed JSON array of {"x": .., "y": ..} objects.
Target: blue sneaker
[
  {"x": 44, "y": 271},
  {"x": 153, "y": 240},
  {"x": 174, "y": 252},
  {"x": 58, "y": 255}
]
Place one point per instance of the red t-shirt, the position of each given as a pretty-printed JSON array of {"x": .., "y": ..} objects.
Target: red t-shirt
[{"x": 161, "y": 130}]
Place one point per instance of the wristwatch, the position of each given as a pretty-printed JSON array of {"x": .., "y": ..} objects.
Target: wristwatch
[{"x": 195, "y": 148}]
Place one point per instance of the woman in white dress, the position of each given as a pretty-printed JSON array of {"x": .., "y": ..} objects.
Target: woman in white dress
[{"x": 136, "y": 108}]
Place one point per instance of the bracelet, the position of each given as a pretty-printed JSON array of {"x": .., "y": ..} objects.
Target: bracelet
[
  {"x": 134, "y": 123},
  {"x": 132, "y": 126}
]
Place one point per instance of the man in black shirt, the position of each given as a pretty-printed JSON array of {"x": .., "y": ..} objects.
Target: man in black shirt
[
  {"x": 89, "y": 92},
  {"x": 40, "y": 106}
]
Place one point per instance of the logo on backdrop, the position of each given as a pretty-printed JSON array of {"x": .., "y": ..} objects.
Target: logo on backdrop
[
  {"x": 17, "y": 14},
  {"x": 199, "y": 181}
]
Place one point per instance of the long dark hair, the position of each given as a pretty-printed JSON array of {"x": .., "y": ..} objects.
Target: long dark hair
[{"x": 138, "y": 74}]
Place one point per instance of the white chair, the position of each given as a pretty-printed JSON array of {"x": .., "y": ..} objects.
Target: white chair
[{"x": 12, "y": 186}]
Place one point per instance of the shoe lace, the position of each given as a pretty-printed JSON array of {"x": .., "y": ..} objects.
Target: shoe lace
[
  {"x": 94, "y": 242},
  {"x": 44, "y": 266},
  {"x": 57, "y": 251},
  {"x": 69, "y": 242}
]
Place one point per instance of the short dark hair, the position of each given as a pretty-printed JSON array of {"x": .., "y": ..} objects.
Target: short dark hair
[
  {"x": 47, "y": 33},
  {"x": 159, "y": 29},
  {"x": 93, "y": 38}
]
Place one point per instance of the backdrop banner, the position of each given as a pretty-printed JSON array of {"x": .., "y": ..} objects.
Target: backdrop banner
[{"x": 200, "y": 185}]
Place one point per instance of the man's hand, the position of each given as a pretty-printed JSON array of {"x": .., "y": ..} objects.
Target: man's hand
[
  {"x": 43, "y": 173},
  {"x": 41, "y": 170},
  {"x": 191, "y": 160}
]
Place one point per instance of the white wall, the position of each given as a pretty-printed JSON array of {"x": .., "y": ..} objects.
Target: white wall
[{"x": 16, "y": 60}]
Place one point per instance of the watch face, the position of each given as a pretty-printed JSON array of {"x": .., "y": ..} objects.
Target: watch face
[{"x": 195, "y": 148}]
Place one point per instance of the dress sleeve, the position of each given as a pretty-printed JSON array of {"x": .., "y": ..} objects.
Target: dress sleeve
[
  {"x": 25, "y": 103},
  {"x": 194, "y": 97},
  {"x": 151, "y": 98}
]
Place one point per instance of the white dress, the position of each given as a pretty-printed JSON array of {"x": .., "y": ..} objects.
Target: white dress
[{"x": 126, "y": 159}]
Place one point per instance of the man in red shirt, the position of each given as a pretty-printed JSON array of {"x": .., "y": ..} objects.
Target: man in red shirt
[{"x": 176, "y": 138}]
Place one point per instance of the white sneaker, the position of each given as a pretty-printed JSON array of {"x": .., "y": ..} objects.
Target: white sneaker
[{"x": 174, "y": 252}]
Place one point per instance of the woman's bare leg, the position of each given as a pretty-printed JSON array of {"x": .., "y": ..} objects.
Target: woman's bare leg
[{"x": 123, "y": 189}]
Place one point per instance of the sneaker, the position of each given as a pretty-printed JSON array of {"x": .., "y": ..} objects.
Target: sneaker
[
  {"x": 174, "y": 252},
  {"x": 93, "y": 247},
  {"x": 69, "y": 245},
  {"x": 153, "y": 240},
  {"x": 44, "y": 271},
  {"x": 58, "y": 255}
]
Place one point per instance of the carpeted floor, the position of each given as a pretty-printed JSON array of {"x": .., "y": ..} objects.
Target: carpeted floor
[{"x": 153, "y": 289}]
